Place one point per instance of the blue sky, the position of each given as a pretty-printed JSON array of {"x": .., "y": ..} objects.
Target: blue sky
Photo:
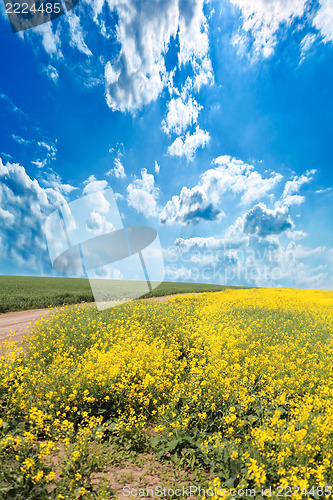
[{"x": 210, "y": 120}]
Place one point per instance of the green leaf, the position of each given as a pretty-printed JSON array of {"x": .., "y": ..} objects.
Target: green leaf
[
  {"x": 172, "y": 445},
  {"x": 154, "y": 441}
]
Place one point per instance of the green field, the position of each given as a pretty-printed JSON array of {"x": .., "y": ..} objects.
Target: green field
[{"x": 19, "y": 293}]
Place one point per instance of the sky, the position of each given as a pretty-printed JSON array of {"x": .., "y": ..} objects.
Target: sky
[{"x": 210, "y": 120}]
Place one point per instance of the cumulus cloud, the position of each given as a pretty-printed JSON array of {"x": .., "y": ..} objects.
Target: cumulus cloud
[
  {"x": 145, "y": 31},
  {"x": 24, "y": 206},
  {"x": 241, "y": 178},
  {"x": 202, "y": 202},
  {"x": 191, "y": 206},
  {"x": 157, "y": 168},
  {"x": 290, "y": 194},
  {"x": 262, "y": 20},
  {"x": 92, "y": 185},
  {"x": 99, "y": 201},
  {"x": 261, "y": 257},
  {"x": 118, "y": 170},
  {"x": 98, "y": 224},
  {"x": 264, "y": 221},
  {"x": 187, "y": 146},
  {"x": 142, "y": 194},
  {"x": 139, "y": 37},
  {"x": 180, "y": 115}
]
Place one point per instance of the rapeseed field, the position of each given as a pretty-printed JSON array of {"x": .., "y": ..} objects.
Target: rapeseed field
[{"x": 237, "y": 384}]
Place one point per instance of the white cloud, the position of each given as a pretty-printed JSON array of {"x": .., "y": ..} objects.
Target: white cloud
[
  {"x": 50, "y": 39},
  {"x": 98, "y": 224},
  {"x": 54, "y": 180},
  {"x": 180, "y": 115},
  {"x": 51, "y": 72},
  {"x": 26, "y": 204},
  {"x": 187, "y": 146},
  {"x": 239, "y": 258},
  {"x": 293, "y": 186},
  {"x": 40, "y": 163},
  {"x": 264, "y": 221},
  {"x": 92, "y": 185},
  {"x": 193, "y": 31},
  {"x": 118, "y": 171},
  {"x": 198, "y": 242},
  {"x": 306, "y": 45},
  {"x": 138, "y": 40},
  {"x": 21, "y": 140},
  {"x": 51, "y": 153},
  {"x": 76, "y": 34},
  {"x": 296, "y": 235},
  {"x": 202, "y": 202},
  {"x": 295, "y": 199},
  {"x": 240, "y": 178},
  {"x": 50, "y": 148},
  {"x": 157, "y": 168},
  {"x": 98, "y": 202},
  {"x": 11, "y": 105},
  {"x": 323, "y": 20},
  {"x": 144, "y": 31},
  {"x": 203, "y": 74},
  {"x": 6, "y": 217},
  {"x": 142, "y": 194},
  {"x": 262, "y": 20},
  {"x": 191, "y": 206},
  {"x": 290, "y": 194}
]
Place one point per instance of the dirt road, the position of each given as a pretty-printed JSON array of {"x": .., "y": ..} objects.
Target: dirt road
[{"x": 21, "y": 322}]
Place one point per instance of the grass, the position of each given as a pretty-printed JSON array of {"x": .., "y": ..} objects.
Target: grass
[
  {"x": 230, "y": 389},
  {"x": 19, "y": 293}
]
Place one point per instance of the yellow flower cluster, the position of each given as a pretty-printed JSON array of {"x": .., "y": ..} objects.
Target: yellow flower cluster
[{"x": 247, "y": 373}]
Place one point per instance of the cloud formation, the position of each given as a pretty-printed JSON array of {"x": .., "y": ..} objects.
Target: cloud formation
[
  {"x": 189, "y": 144},
  {"x": 145, "y": 31},
  {"x": 25, "y": 205},
  {"x": 262, "y": 20},
  {"x": 264, "y": 221},
  {"x": 266, "y": 256},
  {"x": 180, "y": 115},
  {"x": 76, "y": 34},
  {"x": 323, "y": 20},
  {"x": 118, "y": 170},
  {"x": 142, "y": 194},
  {"x": 203, "y": 201},
  {"x": 190, "y": 207},
  {"x": 292, "y": 187},
  {"x": 50, "y": 39}
]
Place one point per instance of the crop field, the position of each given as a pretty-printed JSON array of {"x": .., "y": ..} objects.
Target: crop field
[
  {"x": 230, "y": 390},
  {"x": 19, "y": 293}
]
